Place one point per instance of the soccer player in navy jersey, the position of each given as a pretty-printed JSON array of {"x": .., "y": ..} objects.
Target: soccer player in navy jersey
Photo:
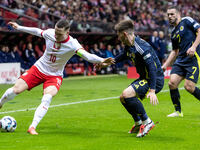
[
  {"x": 151, "y": 78},
  {"x": 185, "y": 39}
]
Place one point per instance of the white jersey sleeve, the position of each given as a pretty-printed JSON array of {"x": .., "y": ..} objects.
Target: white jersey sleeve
[
  {"x": 48, "y": 34},
  {"x": 30, "y": 30},
  {"x": 76, "y": 45},
  {"x": 89, "y": 57}
]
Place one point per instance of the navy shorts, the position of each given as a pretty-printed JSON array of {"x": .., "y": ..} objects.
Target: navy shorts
[
  {"x": 190, "y": 72},
  {"x": 141, "y": 86}
]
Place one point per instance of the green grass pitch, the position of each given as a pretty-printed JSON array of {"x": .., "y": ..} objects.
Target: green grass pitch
[{"x": 87, "y": 115}]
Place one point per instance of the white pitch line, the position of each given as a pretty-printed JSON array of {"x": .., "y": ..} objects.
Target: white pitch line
[
  {"x": 72, "y": 103},
  {"x": 64, "y": 104},
  {"x": 90, "y": 77}
]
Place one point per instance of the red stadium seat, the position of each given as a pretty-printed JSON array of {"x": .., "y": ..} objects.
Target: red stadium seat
[
  {"x": 75, "y": 65},
  {"x": 29, "y": 23},
  {"x": 69, "y": 65},
  {"x": 81, "y": 64},
  {"x": 30, "y": 12},
  {"x": 9, "y": 16}
]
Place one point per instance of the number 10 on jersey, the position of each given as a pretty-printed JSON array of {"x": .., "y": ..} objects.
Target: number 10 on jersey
[{"x": 53, "y": 58}]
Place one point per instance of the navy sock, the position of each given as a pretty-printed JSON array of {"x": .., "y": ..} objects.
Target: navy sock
[
  {"x": 131, "y": 111},
  {"x": 175, "y": 96},
  {"x": 135, "y": 108},
  {"x": 196, "y": 93}
]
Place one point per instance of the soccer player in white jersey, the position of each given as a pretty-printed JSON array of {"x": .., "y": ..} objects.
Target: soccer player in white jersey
[{"x": 60, "y": 47}]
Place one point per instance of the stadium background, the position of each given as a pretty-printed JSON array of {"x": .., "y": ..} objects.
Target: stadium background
[
  {"x": 89, "y": 116},
  {"x": 92, "y": 23}
]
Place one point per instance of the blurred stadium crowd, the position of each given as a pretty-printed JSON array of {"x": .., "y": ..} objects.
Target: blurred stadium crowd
[
  {"x": 92, "y": 15},
  {"x": 89, "y": 16},
  {"x": 29, "y": 50}
]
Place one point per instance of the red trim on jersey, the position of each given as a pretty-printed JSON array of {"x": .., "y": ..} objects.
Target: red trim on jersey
[
  {"x": 42, "y": 33},
  {"x": 66, "y": 40},
  {"x": 54, "y": 46},
  {"x": 78, "y": 49},
  {"x": 44, "y": 107}
]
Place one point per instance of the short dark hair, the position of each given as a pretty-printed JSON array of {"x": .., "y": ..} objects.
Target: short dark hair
[
  {"x": 124, "y": 25},
  {"x": 174, "y": 7},
  {"x": 63, "y": 23}
]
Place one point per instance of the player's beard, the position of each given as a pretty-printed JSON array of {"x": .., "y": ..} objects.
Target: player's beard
[{"x": 173, "y": 22}]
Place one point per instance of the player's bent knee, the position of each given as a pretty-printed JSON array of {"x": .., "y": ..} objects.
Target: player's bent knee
[
  {"x": 52, "y": 90},
  {"x": 121, "y": 98},
  {"x": 172, "y": 85},
  {"x": 124, "y": 94},
  {"x": 189, "y": 88},
  {"x": 127, "y": 93},
  {"x": 18, "y": 89},
  {"x": 20, "y": 86}
]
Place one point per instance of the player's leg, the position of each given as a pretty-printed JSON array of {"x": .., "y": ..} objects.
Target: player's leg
[
  {"x": 177, "y": 75},
  {"x": 10, "y": 93},
  {"x": 189, "y": 86},
  {"x": 42, "y": 109},
  {"x": 141, "y": 89},
  {"x": 51, "y": 87},
  {"x": 128, "y": 107},
  {"x": 191, "y": 80},
  {"x": 194, "y": 91},
  {"x": 28, "y": 80},
  {"x": 134, "y": 106}
]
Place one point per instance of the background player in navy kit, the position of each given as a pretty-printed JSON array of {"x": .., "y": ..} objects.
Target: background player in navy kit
[
  {"x": 185, "y": 42},
  {"x": 151, "y": 76}
]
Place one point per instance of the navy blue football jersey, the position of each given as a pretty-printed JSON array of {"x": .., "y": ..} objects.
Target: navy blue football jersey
[
  {"x": 182, "y": 37},
  {"x": 145, "y": 60}
]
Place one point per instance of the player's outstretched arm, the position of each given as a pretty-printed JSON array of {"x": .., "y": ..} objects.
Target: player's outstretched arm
[
  {"x": 94, "y": 58},
  {"x": 30, "y": 30}
]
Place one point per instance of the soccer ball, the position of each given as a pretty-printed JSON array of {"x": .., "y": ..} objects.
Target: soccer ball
[{"x": 8, "y": 124}]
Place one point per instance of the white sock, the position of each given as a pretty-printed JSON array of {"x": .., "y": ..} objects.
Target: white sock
[
  {"x": 8, "y": 95},
  {"x": 138, "y": 122},
  {"x": 146, "y": 121},
  {"x": 41, "y": 110}
]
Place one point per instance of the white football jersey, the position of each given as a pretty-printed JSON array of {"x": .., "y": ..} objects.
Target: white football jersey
[{"x": 56, "y": 54}]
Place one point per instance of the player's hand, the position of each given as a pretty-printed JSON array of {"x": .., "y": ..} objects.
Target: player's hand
[
  {"x": 109, "y": 61},
  {"x": 164, "y": 68},
  {"x": 100, "y": 65},
  {"x": 97, "y": 67},
  {"x": 13, "y": 24},
  {"x": 153, "y": 97},
  {"x": 190, "y": 52}
]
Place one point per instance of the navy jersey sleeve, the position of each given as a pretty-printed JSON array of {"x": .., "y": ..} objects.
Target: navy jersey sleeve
[
  {"x": 121, "y": 56},
  {"x": 191, "y": 23},
  {"x": 174, "y": 44},
  {"x": 151, "y": 68}
]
